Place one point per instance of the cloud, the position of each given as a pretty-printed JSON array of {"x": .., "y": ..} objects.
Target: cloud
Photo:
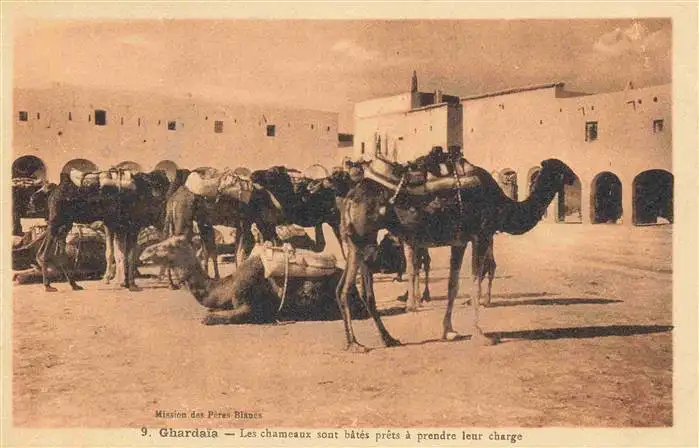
[
  {"x": 354, "y": 51},
  {"x": 636, "y": 39}
]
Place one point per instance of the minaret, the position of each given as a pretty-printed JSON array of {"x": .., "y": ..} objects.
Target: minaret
[{"x": 413, "y": 87}]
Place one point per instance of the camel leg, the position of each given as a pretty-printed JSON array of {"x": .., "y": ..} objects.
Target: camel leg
[
  {"x": 489, "y": 268},
  {"x": 131, "y": 259},
  {"x": 457, "y": 257},
  {"x": 42, "y": 257},
  {"x": 411, "y": 262},
  {"x": 61, "y": 252},
  {"x": 336, "y": 231},
  {"x": 240, "y": 315},
  {"x": 208, "y": 240},
  {"x": 320, "y": 238},
  {"x": 426, "y": 261},
  {"x": 480, "y": 245},
  {"x": 370, "y": 304},
  {"x": 110, "y": 269},
  {"x": 349, "y": 278}
]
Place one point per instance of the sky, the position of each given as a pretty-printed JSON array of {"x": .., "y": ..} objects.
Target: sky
[{"x": 332, "y": 64}]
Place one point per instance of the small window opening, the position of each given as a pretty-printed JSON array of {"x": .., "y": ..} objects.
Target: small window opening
[
  {"x": 658, "y": 126},
  {"x": 70, "y": 116},
  {"x": 218, "y": 126},
  {"x": 100, "y": 117},
  {"x": 122, "y": 121},
  {"x": 23, "y": 116},
  {"x": 590, "y": 131},
  {"x": 139, "y": 122},
  {"x": 38, "y": 116},
  {"x": 362, "y": 147},
  {"x": 655, "y": 99},
  {"x": 271, "y": 130},
  {"x": 171, "y": 125},
  {"x": 312, "y": 126}
]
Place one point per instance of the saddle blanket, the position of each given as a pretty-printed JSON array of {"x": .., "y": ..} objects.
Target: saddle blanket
[
  {"x": 278, "y": 261},
  {"x": 226, "y": 183}
]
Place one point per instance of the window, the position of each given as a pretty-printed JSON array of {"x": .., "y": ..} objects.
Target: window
[
  {"x": 171, "y": 125},
  {"x": 218, "y": 126},
  {"x": 139, "y": 122},
  {"x": 100, "y": 117},
  {"x": 38, "y": 116},
  {"x": 658, "y": 126},
  {"x": 271, "y": 130},
  {"x": 312, "y": 127},
  {"x": 70, "y": 116},
  {"x": 590, "y": 131},
  {"x": 362, "y": 147},
  {"x": 122, "y": 121},
  {"x": 23, "y": 116}
]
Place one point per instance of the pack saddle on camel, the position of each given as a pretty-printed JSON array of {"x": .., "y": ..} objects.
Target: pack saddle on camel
[
  {"x": 433, "y": 211},
  {"x": 124, "y": 201}
]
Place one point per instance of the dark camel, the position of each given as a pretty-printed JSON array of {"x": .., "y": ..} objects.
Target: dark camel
[
  {"x": 247, "y": 296},
  {"x": 124, "y": 213},
  {"x": 481, "y": 210}
]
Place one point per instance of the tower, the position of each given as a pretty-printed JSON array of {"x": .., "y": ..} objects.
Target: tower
[{"x": 413, "y": 87}]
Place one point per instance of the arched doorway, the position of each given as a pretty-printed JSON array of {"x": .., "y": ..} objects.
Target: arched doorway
[
  {"x": 83, "y": 165},
  {"x": 570, "y": 203},
  {"x": 507, "y": 178},
  {"x": 169, "y": 167},
  {"x": 605, "y": 198},
  {"x": 129, "y": 165},
  {"x": 29, "y": 167},
  {"x": 653, "y": 197},
  {"x": 28, "y": 175},
  {"x": 532, "y": 176}
]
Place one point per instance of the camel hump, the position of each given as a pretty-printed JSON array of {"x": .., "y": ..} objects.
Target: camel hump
[{"x": 235, "y": 186}]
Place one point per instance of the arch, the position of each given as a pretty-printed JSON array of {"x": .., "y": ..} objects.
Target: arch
[
  {"x": 532, "y": 175},
  {"x": 605, "y": 198},
  {"x": 83, "y": 165},
  {"x": 129, "y": 165},
  {"x": 316, "y": 171},
  {"x": 570, "y": 203},
  {"x": 653, "y": 197},
  {"x": 507, "y": 178},
  {"x": 30, "y": 167},
  {"x": 169, "y": 167}
]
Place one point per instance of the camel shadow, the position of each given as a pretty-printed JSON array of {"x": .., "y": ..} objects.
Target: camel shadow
[
  {"x": 559, "y": 301},
  {"x": 392, "y": 311},
  {"x": 582, "y": 332},
  {"x": 559, "y": 333}
]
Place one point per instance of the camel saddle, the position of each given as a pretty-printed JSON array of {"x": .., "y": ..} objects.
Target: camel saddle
[
  {"x": 416, "y": 180},
  {"x": 110, "y": 179},
  {"x": 227, "y": 183},
  {"x": 285, "y": 260}
]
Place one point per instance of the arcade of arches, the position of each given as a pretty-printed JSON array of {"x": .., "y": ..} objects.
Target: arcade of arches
[{"x": 651, "y": 200}]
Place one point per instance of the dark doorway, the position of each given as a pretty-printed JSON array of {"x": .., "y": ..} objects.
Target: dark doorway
[
  {"x": 606, "y": 198},
  {"x": 653, "y": 198},
  {"x": 507, "y": 179},
  {"x": 570, "y": 203}
]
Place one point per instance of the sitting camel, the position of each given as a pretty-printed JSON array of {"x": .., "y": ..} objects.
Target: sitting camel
[
  {"x": 247, "y": 296},
  {"x": 472, "y": 213},
  {"x": 124, "y": 212}
]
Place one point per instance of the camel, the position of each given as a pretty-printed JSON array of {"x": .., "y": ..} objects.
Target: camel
[
  {"x": 123, "y": 212},
  {"x": 481, "y": 210},
  {"x": 247, "y": 296}
]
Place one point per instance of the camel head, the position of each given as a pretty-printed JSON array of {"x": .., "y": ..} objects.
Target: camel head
[
  {"x": 38, "y": 201},
  {"x": 173, "y": 250},
  {"x": 556, "y": 173}
]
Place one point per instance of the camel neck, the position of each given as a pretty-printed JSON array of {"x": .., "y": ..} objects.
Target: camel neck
[
  {"x": 521, "y": 217},
  {"x": 196, "y": 279}
]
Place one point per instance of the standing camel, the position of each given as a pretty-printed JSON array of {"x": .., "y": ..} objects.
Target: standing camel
[
  {"x": 481, "y": 210},
  {"x": 123, "y": 211}
]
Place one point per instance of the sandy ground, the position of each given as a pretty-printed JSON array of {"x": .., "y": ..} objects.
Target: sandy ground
[{"x": 583, "y": 313}]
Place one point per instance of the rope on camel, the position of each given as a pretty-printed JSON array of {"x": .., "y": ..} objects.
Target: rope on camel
[{"x": 286, "y": 277}]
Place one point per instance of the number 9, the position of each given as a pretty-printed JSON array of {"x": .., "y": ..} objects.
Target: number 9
[{"x": 144, "y": 431}]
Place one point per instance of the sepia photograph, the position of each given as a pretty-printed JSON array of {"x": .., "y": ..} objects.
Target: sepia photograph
[{"x": 339, "y": 224}]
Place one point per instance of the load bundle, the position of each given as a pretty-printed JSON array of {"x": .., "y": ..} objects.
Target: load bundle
[
  {"x": 287, "y": 261},
  {"x": 27, "y": 182},
  {"x": 435, "y": 172},
  {"x": 210, "y": 183},
  {"x": 114, "y": 179}
]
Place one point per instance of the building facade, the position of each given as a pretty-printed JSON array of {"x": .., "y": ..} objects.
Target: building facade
[
  {"x": 400, "y": 127},
  {"x": 97, "y": 130},
  {"x": 619, "y": 144}
]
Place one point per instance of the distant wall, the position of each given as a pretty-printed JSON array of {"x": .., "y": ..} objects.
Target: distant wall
[{"x": 60, "y": 126}]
